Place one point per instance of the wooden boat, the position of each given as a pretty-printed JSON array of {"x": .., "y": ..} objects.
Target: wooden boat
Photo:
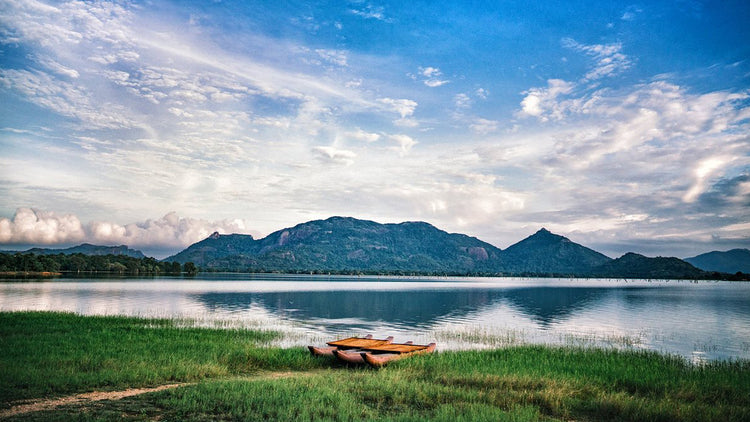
[
  {"x": 351, "y": 343},
  {"x": 354, "y": 356},
  {"x": 376, "y": 352},
  {"x": 381, "y": 355}
]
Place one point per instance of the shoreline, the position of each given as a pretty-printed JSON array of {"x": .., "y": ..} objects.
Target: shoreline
[{"x": 21, "y": 274}]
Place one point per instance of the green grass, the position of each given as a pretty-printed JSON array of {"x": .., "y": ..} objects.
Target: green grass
[
  {"x": 239, "y": 378},
  {"x": 49, "y": 354}
]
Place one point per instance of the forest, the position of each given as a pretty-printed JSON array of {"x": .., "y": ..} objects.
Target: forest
[{"x": 79, "y": 263}]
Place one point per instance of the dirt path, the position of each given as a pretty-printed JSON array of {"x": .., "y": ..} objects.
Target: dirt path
[
  {"x": 37, "y": 405},
  {"x": 82, "y": 399}
]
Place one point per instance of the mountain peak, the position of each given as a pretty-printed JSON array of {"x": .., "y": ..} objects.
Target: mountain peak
[
  {"x": 543, "y": 232},
  {"x": 543, "y": 236},
  {"x": 214, "y": 235},
  {"x": 546, "y": 252}
]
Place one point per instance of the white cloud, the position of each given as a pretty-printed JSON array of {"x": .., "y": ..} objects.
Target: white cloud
[
  {"x": 35, "y": 227},
  {"x": 64, "y": 98},
  {"x": 406, "y": 122},
  {"x": 334, "y": 155},
  {"x": 361, "y": 135},
  {"x": 404, "y": 107},
  {"x": 30, "y": 226},
  {"x": 609, "y": 59},
  {"x": 168, "y": 231},
  {"x": 483, "y": 126},
  {"x": 434, "y": 83},
  {"x": 58, "y": 68},
  {"x": 371, "y": 12},
  {"x": 432, "y": 76},
  {"x": 462, "y": 101},
  {"x": 429, "y": 71},
  {"x": 404, "y": 142},
  {"x": 542, "y": 102},
  {"x": 337, "y": 57},
  {"x": 702, "y": 174}
]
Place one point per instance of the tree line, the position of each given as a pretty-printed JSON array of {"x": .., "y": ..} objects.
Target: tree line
[{"x": 79, "y": 263}]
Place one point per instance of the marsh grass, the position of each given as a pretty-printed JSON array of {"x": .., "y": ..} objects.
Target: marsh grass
[{"x": 240, "y": 379}]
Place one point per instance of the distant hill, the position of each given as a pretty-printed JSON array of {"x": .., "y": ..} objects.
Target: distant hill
[
  {"x": 347, "y": 244},
  {"x": 548, "y": 253},
  {"x": 730, "y": 261},
  {"x": 88, "y": 249},
  {"x": 215, "y": 247},
  {"x": 632, "y": 265}
]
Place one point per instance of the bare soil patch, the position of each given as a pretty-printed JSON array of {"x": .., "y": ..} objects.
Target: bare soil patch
[{"x": 47, "y": 404}]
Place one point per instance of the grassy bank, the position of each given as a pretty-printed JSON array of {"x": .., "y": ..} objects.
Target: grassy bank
[{"x": 236, "y": 376}]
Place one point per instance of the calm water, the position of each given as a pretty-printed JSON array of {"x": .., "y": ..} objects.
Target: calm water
[{"x": 698, "y": 320}]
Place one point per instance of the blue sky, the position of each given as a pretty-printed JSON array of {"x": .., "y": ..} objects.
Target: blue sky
[{"x": 154, "y": 123}]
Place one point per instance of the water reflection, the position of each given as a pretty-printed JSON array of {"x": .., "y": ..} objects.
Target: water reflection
[
  {"x": 552, "y": 305},
  {"x": 415, "y": 309}
]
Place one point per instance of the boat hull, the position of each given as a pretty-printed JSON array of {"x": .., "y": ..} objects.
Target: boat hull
[
  {"x": 321, "y": 351},
  {"x": 378, "y": 360},
  {"x": 352, "y": 357}
]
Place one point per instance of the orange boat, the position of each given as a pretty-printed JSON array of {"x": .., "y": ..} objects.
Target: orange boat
[
  {"x": 352, "y": 344},
  {"x": 356, "y": 356},
  {"x": 358, "y": 350},
  {"x": 381, "y": 355}
]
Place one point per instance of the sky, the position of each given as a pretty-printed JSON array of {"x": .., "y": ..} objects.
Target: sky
[{"x": 622, "y": 126}]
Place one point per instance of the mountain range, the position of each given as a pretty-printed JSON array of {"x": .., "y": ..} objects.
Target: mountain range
[
  {"x": 88, "y": 249},
  {"x": 344, "y": 244}
]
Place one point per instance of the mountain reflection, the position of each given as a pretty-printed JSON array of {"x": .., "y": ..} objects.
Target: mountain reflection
[
  {"x": 548, "y": 305},
  {"x": 413, "y": 308}
]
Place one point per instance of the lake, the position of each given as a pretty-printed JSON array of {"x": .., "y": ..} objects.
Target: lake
[{"x": 701, "y": 321}]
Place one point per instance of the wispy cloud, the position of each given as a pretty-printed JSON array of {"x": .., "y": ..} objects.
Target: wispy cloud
[
  {"x": 608, "y": 58},
  {"x": 631, "y": 12},
  {"x": 484, "y": 126},
  {"x": 369, "y": 11},
  {"x": 430, "y": 76},
  {"x": 337, "y": 57}
]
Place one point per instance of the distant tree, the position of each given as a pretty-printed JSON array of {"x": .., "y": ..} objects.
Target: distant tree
[
  {"x": 118, "y": 267},
  {"x": 174, "y": 267},
  {"x": 190, "y": 268}
]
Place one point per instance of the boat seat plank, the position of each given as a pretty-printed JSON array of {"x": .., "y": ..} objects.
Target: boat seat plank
[{"x": 358, "y": 343}]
